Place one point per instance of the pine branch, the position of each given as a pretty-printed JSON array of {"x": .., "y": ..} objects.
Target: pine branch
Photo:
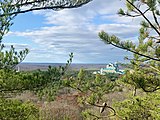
[
  {"x": 138, "y": 15},
  {"x": 153, "y": 90},
  {"x": 123, "y": 47},
  {"x": 109, "y": 40},
  {"x": 144, "y": 17},
  {"x": 57, "y": 7}
]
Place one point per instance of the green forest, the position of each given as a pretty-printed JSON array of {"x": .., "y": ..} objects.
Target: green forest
[{"x": 59, "y": 93}]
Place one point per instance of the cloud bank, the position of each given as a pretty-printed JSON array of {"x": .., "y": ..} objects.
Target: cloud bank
[{"x": 76, "y": 30}]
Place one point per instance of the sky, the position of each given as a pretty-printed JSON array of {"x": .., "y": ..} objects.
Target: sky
[{"x": 52, "y": 35}]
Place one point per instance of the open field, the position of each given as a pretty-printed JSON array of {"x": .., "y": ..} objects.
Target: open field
[
  {"x": 73, "y": 66},
  {"x": 44, "y": 66}
]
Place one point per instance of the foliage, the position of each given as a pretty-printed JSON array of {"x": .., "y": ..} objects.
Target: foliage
[
  {"x": 9, "y": 59},
  {"x": 92, "y": 90},
  {"x": 45, "y": 83},
  {"x": 146, "y": 80},
  {"x": 145, "y": 64},
  {"x": 10, "y": 7},
  {"x": 146, "y": 59},
  {"x": 140, "y": 107},
  {"x": 17, "y": 110},
  {"x": 52, "y": 80},
  {"x": 112, "y": 76}
]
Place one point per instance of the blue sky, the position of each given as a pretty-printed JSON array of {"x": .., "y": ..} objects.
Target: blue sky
[{"x": 52, "y": 35}]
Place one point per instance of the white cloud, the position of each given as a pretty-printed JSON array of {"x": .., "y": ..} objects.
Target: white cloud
[
  {"x": 76, "y": 30},
  {"x": 17, "y": 46}
]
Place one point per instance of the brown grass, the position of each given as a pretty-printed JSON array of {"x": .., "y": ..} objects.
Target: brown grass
[{"x": 65, "y": 106}]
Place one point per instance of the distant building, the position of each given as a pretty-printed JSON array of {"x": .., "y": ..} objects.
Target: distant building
[{"x": 110, "y": 68}]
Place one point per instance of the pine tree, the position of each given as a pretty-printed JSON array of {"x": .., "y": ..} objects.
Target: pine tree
[
  {"x": 44, "y": 83},
  {"x": 145, "y": 73}
]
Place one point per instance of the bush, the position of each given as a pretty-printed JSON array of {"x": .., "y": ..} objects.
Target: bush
[{"x": 17, "y": 110}]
